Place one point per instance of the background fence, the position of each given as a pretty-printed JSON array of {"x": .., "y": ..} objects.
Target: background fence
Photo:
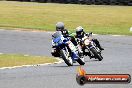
[{"x": 88, "y": 2}]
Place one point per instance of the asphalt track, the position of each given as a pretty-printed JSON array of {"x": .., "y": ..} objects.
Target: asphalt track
[{"x": 117, "y": 59}]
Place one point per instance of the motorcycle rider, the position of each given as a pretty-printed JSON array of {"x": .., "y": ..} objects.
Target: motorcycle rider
[
  {"x": 80, "y": 34},
  {"x": 61, "y": 27}
]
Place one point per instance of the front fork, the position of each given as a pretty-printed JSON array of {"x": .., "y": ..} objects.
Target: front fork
[
  {"x": 74, "y": 51},
  {"x": 93, "y": 46},
  {"x": 90, "y": 53}
]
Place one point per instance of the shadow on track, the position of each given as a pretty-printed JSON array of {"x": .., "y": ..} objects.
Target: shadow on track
[
  {"x": 94, "y": 60},
  {"x": 75, "y": 64},
  {"x": 65, "y": 66}
]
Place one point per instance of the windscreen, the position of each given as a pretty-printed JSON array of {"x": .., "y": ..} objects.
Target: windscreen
[{"x": 57, "y": 34}]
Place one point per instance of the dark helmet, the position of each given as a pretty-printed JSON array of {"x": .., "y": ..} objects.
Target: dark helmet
[
  {"x": 65, "y": 32},
  {"x": 60, "y": 26},
  {"x": 79, "y": 31}
]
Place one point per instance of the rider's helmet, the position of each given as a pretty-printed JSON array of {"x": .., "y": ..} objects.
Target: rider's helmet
[
  {"x": 79, "y": 31},
  {"x": 60, "y": 26},
  {"x": 65, "y": 33}
]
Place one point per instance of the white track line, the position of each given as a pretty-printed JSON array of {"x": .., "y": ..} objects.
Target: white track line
[
  {"x": 117, "y": 35},
  {"x": 58, "y": 62},
  {"x": 1, "y": 53}
]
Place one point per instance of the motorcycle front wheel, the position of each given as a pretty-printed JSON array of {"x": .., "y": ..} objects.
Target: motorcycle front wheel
[
  {"x": 96, "y": 54},
  {"x": 81, "y": 61},
  {"x": 66, "y": 58}
]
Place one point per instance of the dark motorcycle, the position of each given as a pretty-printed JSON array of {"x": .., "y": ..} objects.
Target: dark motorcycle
[{"x": 92, "y": 50}]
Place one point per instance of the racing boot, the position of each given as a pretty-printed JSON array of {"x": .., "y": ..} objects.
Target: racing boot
[
  {"x": 101, "y": 48},
  {"x": 55, "y": 53},
  {"x": 98, "y": 44}
]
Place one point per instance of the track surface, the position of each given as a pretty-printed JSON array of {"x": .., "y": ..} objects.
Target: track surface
[{"x": 117, "y": 59}]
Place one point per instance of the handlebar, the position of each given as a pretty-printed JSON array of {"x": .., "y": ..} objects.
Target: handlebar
[{"x": 89, "y": 34}]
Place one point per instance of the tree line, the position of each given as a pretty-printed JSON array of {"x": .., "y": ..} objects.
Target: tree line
[{"x": 88, "y": 2}]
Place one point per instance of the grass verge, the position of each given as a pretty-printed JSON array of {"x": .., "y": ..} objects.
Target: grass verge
[
  {"x": 100, "y": 19},
  {"x": 9, "y": 60}
]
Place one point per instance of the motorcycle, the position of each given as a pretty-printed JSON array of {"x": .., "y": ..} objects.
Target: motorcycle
[
  {"x": 68, "y": 52},
  {"x": 90, "y": 46}
]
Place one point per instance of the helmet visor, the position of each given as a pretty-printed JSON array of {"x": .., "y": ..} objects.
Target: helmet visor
[{"x": 59, "y": 28}]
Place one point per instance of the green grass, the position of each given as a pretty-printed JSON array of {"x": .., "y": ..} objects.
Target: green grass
[
  {"x": 43, "y": 16},
  {"x": 7, "y": 60}
]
